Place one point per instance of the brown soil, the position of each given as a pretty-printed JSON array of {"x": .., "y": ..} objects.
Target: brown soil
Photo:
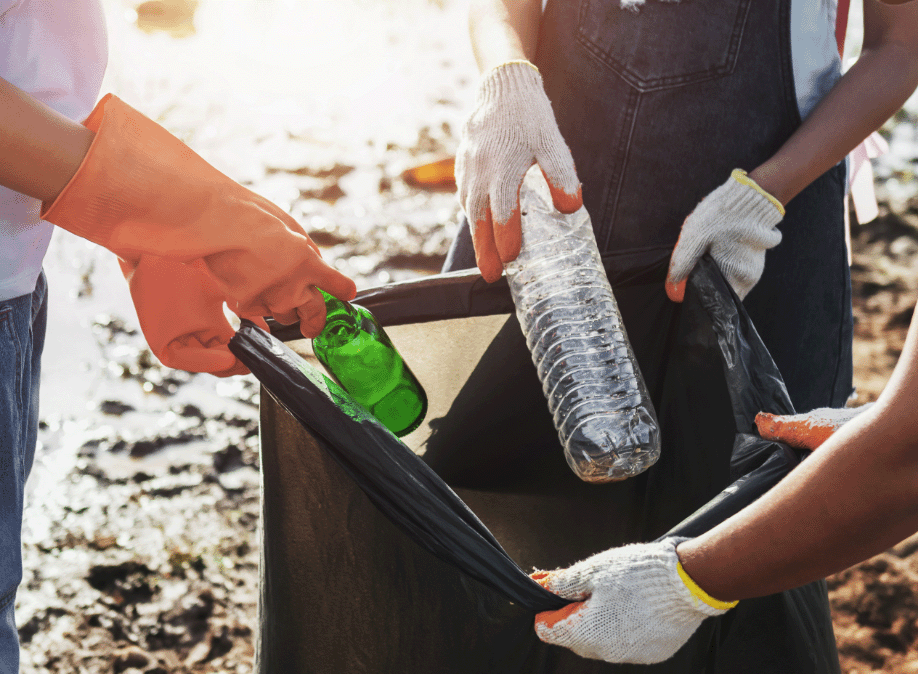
[{"x": 874, "y": 604}]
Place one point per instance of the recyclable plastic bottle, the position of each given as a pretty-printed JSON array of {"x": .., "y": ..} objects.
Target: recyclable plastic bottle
[
  {"x": 573, "y": 328},
  {"x": 355, "y": 349}
]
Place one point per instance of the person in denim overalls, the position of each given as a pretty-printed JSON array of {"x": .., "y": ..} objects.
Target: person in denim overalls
[{"x": 659, "y": 105}]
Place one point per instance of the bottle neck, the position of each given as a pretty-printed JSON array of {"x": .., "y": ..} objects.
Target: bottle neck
[{"x": 341, "y": 321}]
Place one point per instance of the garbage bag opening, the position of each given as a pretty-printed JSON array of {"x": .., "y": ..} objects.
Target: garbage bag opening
[{"x": 345, "y": 589}]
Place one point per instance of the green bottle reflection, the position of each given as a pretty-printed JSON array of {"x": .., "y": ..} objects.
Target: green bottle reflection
[{"x": 356, "y": 351}]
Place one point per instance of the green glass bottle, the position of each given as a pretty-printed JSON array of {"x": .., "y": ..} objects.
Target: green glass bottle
[{"x": 356, "y": 351}]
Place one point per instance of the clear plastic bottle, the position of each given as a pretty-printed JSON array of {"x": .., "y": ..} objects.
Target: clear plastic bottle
[{"x": 573, "y": 328}]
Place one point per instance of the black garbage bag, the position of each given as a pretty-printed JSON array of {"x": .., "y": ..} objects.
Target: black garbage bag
[{"x": 372, "y": 563}]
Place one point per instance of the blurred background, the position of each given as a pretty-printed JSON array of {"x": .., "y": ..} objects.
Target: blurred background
[{"x": 140, "y": 545}]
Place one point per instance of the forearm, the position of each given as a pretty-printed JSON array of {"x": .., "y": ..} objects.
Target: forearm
[
  {"x": 40, "y": 148},
  {"x": 866, "y": 96},
  {"x": 504, "y": 30},
  {"x": 853, "y": 498}
]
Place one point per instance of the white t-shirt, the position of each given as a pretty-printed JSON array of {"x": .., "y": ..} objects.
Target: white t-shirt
[{"x": 56, "y": 51}]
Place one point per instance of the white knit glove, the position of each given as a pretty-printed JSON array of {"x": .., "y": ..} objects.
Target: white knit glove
[
  {"x": 808, "y": 430},
  {"x": 511, "y": 128},
  {"x": 639, "y": 606},
  {"x": 736, "y": 223}
]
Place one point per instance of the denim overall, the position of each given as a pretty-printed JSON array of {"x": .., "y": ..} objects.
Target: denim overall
[{"x": 658, "y": 106}]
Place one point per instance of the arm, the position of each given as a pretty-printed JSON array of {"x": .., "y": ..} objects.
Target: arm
[
  {"x": 512, "y": 127},
  {"x": 875, "y": 87},
  {"x": 738, "y": 226},
  {"x": 853, "y": 498},
  {"x": 41, "y": 148},
  {"x": 504, "y": 30}
]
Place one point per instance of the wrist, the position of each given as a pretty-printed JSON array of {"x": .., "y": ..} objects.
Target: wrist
[
  {"x": 775, "y": 182},
  {"x": 513, "y": 62},
  {"x": 746, "y": 180},
  {"x": 515, "y": 79},
  {"x": 698, "y": 574}
]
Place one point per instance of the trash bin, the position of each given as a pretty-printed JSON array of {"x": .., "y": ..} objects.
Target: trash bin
[{"x": 346, "y": 590}]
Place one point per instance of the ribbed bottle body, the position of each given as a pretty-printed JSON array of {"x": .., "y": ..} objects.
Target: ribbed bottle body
[{"x": 573, "y": 329}]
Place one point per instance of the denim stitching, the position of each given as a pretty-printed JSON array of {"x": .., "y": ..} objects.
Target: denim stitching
[
  {"x": 623, "y": 152},
  {"x": 6, "y": 321},
  {"x": 670, "y": 81},
  {"x": 7, "y": 598}
]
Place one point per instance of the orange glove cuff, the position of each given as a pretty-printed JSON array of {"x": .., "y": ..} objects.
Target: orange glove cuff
[{"x": 139, "y": 189}]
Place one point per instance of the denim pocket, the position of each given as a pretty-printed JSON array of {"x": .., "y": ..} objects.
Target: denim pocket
[{"x": 664, "y": 44}]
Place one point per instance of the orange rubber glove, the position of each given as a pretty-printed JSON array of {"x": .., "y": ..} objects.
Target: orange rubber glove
[
  {"x": 181, "y": 315},
  {"x": 806, "y": 431},
  {"x": 141, "y": 191}
]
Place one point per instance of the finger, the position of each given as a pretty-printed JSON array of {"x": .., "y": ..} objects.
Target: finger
[
  {"x": 190, "y": 354},
  {"x": 237, "y": 367},
  {"x": 546, "y": 622},
  {"x": 541, "y": 577},
  {"x": 333, "y": 281},
  {"x": 806, "y": 431},
  {"x": 508, "y": 236},
  {"x": 286, "y": 317},
  {"x": 312, "y": 315},
  {"x": 312, "y": 244},
  {"x": 297, "y": 288},
  {"x": 684, "y": 258},
  {"x": 565, "y": 188},
  {"x": 486, "y": 256},
  {"x": 505, "y": 212},
  {"x": 676, "y": 291}
]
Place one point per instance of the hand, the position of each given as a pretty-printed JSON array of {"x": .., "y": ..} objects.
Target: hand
[
  {"x": 512, "y": 128},
  {"x": 806, "y": 431},
  {"x": 140, "y": 191},
  {"x": 637, "y": 606},
  {"x": 181, "y": 315},
  {"x": 737, "y": 224}
]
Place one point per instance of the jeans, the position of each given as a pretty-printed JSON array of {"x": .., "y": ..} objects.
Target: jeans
[{"x": 22, "y": 336}]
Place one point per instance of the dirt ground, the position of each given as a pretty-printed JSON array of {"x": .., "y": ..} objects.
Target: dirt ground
[
  {"x": 139, "y": 538},
  {"x": 874, "y": 604}
]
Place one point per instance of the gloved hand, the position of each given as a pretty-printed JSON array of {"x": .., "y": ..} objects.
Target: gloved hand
[
  {"x": 141, "y": 191},
  {"x": 640, "y": 606},
  {"x": 809, "y": 430},
  {"x": 511, "y": 128},
  {"x": 181, "y": 315},
  {"x": 737, "y": 224}
]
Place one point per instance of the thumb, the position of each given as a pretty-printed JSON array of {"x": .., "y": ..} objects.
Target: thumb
[
  {"x": 806, "y": 431},
  {"x": 575, "y": 582},
  {"x": 686, "y": 254},
  {"x": 546, "y": 621},
  {"x": 189, "y": 354}
]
